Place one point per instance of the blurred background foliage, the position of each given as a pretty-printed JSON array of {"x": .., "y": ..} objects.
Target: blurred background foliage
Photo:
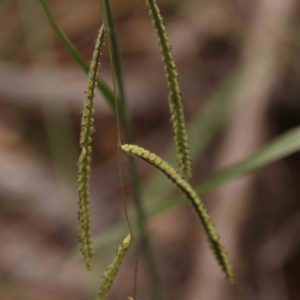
[{"x": 239, "y": 66}]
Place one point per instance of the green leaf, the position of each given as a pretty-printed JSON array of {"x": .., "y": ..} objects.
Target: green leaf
[{"x": 102, "y": 86}]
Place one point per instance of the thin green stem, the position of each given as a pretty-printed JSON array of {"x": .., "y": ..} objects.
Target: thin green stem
[
  {"x": 145, "y": 241},
  {"x": 102, "y": 86},
  {"x": 119, "y": 154}
]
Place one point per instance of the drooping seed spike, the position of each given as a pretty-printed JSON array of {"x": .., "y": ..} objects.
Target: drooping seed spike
[
  {"x": 188, "y": 191},
  {"x": 175, "y": 103},
  {"x": 111, "y": 272},
  {"x": 84, "y": 164}
]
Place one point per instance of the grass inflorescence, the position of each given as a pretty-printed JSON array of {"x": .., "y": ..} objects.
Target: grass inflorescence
[
  {"x": 85, "y": 160},
  {"x": 175, "y": 103},
  {"x": 110, "y": 273},
  {"x": 189, "y": 192}
]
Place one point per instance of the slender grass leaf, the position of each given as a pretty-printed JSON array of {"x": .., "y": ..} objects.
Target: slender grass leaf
[{"x": 102, "y": 86}]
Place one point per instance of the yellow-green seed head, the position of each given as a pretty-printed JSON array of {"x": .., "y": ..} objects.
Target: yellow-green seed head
[
  {"x": 111, "y": 272},
  {"x": 84, "y": 162},
  {"x": 175, "y": 103},
  {"x": 197, "y": 204}
]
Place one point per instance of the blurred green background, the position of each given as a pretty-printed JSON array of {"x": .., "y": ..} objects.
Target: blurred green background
[{"x": 239, "y": 71}]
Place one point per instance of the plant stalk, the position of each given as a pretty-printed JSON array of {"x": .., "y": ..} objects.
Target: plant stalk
[{"x": 128, "y": 132}]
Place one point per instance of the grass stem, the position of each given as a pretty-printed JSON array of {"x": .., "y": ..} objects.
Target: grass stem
[{"x": 126, "y": 123}]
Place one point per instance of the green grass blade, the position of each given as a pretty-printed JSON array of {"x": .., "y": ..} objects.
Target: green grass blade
[
  {"x": 283, "y": 146},
  {"x": 102, "y": 86},
  {"x": 114, "y": 49}
]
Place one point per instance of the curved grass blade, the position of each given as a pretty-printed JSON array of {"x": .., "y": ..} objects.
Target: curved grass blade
[
  {"x": 175, "y": 103},
  {"x": 102, "y": 86},
  {"x": 186, "y": 189},
  {"x": 84, "y": 159},
  {"x": 111, "y": 272}
]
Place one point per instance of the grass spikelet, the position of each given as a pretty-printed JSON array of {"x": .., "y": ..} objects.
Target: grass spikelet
[
  {"x": 111, "y": 272},
  {"x": 175, "y": 103},
  {"x": 85, "y": 159},
  {"x": 186, "y": 189}
]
